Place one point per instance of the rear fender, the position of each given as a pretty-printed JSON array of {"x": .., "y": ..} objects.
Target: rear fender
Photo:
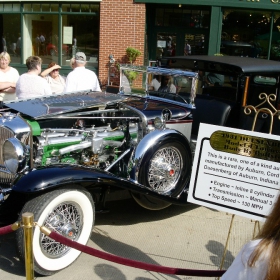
[{"x": 150, "y": 142}]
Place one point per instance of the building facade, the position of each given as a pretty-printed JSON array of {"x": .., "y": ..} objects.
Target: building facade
[{"x": 55, "y": 30}]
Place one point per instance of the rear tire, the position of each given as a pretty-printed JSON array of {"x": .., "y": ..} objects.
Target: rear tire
[
  {"x": 70, "y": 212},
  {"x": 166, "y": 169}
]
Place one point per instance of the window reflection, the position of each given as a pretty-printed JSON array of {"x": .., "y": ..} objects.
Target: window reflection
[
  {"x": 43, "y": 40},
  {"x": 84, "y": 37},
  {"x": 275, "y": 39},
  {"x": 245, "y": 33},
  {"x": 11, "y": 36},
  {"x": 180, "y": 17}
]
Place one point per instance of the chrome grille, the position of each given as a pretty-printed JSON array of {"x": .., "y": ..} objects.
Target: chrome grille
[{"x": 5, "y": 178}]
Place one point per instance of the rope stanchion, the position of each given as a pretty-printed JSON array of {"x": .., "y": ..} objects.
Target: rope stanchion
[
  {"x": 9, "y": 228},
  {"x": 124, "y": 261}
]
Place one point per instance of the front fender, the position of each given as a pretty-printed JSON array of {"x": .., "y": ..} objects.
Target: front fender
[
  {"x": 50, "y": 177},
  {"x": 55, "y": 175}
]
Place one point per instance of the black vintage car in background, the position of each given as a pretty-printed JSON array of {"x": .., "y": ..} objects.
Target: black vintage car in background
[{"x": 250, "y": 82}]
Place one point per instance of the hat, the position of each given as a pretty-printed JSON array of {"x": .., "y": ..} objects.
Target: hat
[{"x": 80, "y": 57}]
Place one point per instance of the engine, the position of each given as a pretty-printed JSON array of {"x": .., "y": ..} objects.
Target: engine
[{"x": 83, "y": 145}]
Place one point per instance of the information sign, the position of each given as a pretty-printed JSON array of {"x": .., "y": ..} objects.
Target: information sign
[
  {"x": 67, "y": 35},
  {"x": 236, "y": 171}
]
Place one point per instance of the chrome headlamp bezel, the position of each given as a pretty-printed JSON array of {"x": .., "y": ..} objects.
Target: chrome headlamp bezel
[
  {"x": 158, "y": 123},
  {"x": 15, "y": 155}
]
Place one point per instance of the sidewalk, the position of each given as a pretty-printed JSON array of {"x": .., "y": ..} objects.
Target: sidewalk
[{"x": 190, "y": 237}]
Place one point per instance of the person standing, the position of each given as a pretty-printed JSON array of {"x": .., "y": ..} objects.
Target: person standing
[
  {"x": 43, "y": 44},
  {"x": 188, "y": 49},
  {"x": 8, "y": 78},
  {"x": 30, "y": 84},
  {"x": 38, "y": 44},
  {"x": 4, "y": 43},
  {"x": 259, "y": 259},
  {"x": 81, "y": 78},
  {"x": 155, "y": 83},
  {"x": 18, "y": 50},
  {"x": 51, "y": 74}
]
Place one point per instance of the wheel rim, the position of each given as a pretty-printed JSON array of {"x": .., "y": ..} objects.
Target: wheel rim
[
  {"x": 165, "y": 169},
  {"x": 67, "y": 220}
]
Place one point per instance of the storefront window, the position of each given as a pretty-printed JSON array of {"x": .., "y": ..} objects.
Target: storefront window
[
  {"x": 245, "y": 33},
  {"x": 42, "y": 35},
  {"x": 182, "y": 17},
  {"x": 81, "y": 33},
  {"x": 166, "y": 44},
  {"x": 275, "y": 38},
  {"x": 194, "y": 44},
  {"x": 11, "y": 37}
]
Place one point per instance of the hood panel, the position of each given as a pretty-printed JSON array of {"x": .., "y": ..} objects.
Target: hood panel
[{"x": 43, "y": 107}]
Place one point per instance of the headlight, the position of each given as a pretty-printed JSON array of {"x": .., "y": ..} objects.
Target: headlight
[
  {"x": 15, "y": 155},
  {"x": 158, "y": 123}
]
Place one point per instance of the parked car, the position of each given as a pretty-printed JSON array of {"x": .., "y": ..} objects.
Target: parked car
[
  {"x": 246, "y": 82},
  {"x": 61, "y": 155}
]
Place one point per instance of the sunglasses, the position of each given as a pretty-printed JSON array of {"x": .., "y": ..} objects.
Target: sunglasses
[{"x": 55, "y": 70}]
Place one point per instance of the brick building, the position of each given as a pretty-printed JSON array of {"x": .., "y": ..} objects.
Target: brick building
[{"x": 122, "y": 25}]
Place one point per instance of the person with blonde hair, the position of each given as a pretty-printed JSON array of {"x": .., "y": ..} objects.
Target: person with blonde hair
[
  {"x": 51, "y": 74},
  {"x": 259, "y": 259},
  {"x": 30, "y": 84},
  {"x": 8, "y": 78}
]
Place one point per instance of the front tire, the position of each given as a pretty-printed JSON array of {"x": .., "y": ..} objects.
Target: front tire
[{"x": 70, "y": 212}]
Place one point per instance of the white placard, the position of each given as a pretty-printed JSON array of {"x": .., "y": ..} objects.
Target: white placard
[
  {"x": 236, "y": 171},
  {"x": 161, "y": 44},
  {"x": 67, "y": 35}
]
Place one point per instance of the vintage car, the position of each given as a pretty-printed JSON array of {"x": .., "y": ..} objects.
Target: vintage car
[
  {"x": 247, "y": 85},
  {"x": 61, "y": 155}
]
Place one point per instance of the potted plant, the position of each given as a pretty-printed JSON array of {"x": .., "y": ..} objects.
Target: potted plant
[{"x": 132, "y": 55}]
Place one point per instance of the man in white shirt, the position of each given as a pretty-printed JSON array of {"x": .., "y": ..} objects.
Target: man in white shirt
[
  {"x": 30, "y": 84},
  {"x": 81, "y": 78}
]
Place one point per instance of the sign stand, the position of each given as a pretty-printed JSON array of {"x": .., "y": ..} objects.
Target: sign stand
[{"x": 248, "y": 110}]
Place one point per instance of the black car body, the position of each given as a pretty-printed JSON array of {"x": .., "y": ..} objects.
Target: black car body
[{"x": 61, "y": 155}]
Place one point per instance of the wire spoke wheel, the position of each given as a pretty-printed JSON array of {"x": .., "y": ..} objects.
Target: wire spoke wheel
[
  {"x": 69, "y": 212},
  {"x": 66, "y": 219},
  {"x": 165, "y": 169}
]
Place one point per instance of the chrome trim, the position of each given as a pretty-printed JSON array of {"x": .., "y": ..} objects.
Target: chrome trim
[
  {"x": 119, "y": 158},
  {"x": 143, "y": 126}
]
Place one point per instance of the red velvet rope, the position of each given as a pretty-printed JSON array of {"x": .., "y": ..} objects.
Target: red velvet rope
[
  {"x": 6, "y": 230},
  {"x": 151, "y": 267}
]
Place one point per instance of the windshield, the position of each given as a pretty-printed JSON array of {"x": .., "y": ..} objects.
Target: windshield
[{"x": 157, "y": 81}]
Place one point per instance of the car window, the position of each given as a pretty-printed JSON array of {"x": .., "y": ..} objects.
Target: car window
[{"x": 262, "y": 80}]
